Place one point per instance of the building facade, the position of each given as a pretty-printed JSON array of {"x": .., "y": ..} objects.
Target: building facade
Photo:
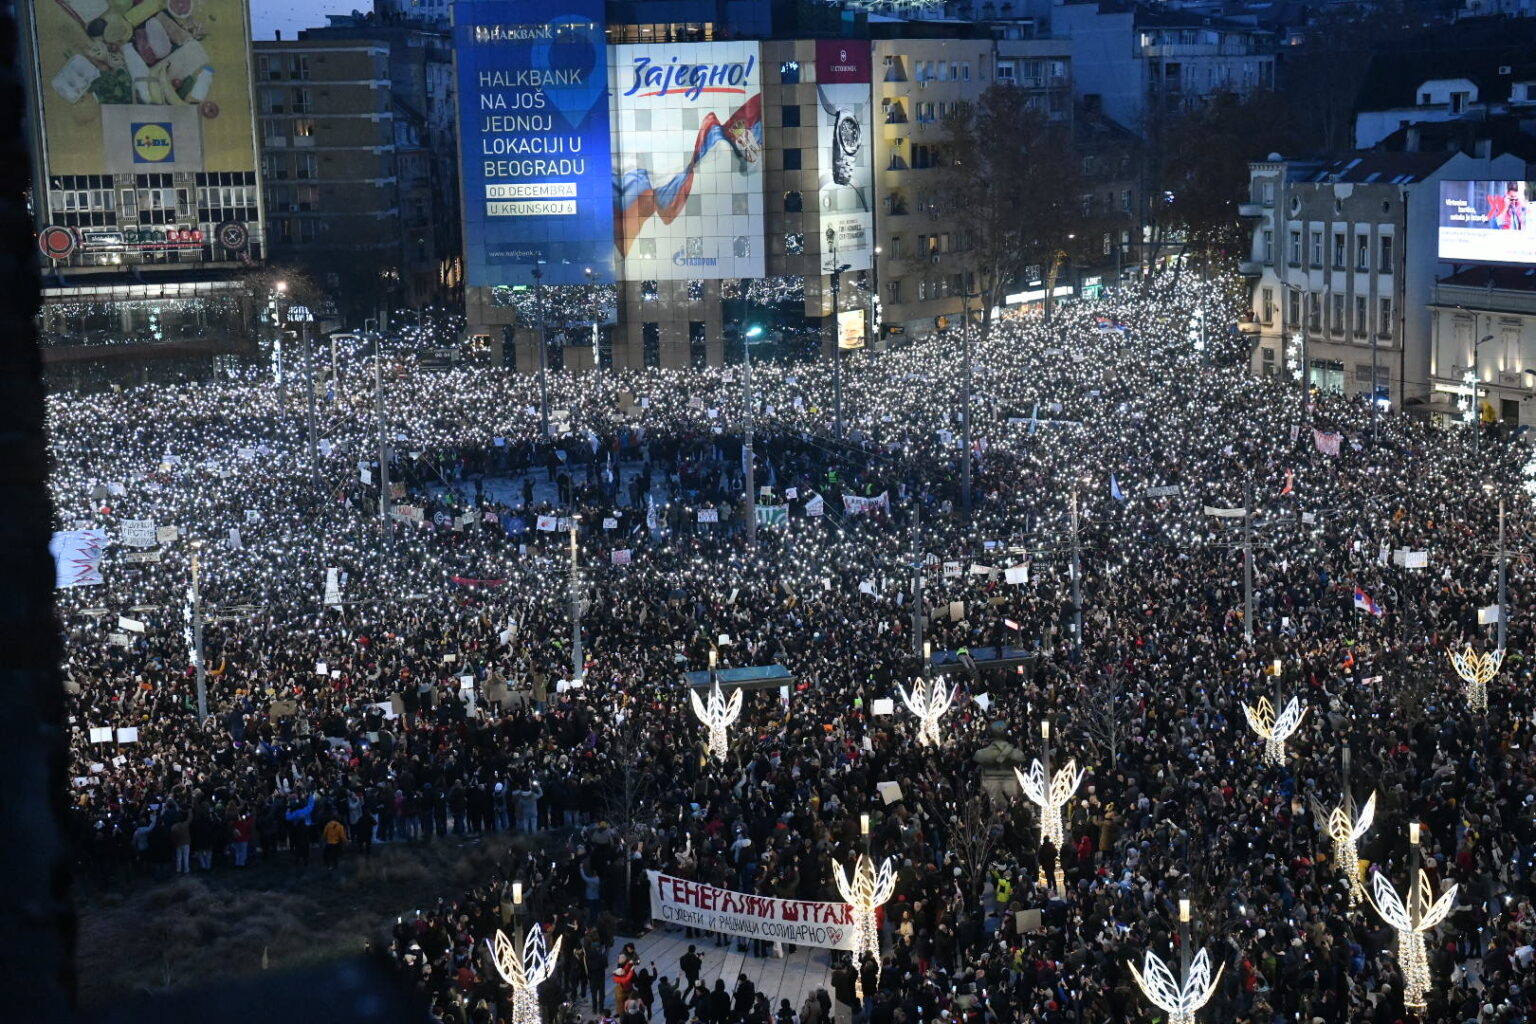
[
  {"x": 1344, "y": 262},
  {"x": 148, "y": 197},
  {"x": 1483, "y": 321}
]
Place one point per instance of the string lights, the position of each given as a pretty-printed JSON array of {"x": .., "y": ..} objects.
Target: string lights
[
  {"x": 929, "y": 700},
  {"x": 1179, "y": 997},
  {"x": 1419, "y": 915},
  {"x": 866, "y": 892},
  {"x": 719, "y": 715},
  {"x": 1476, "y": 672},
  {"x": 1272, "y": 729},
  {"x": 525, "y": 972}
]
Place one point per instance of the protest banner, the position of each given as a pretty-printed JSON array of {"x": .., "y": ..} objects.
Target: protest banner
[{"x": 748, "y": 916}]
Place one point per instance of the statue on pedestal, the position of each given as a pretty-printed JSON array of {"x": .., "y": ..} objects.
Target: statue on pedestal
[{"x": 998, "y": 759}]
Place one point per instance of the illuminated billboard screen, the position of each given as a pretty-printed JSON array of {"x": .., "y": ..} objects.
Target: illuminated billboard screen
[
  {"x": 845, "y": 137},
  {"x": 533, "y": 127},
  {"x": 850, "y": 329},
  {"x": 687, "y": 162},
  {"x": 1487, "y": 222},
  {"x": 155, "y": 87}
]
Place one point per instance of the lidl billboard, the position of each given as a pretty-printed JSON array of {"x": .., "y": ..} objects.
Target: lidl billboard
[
  {"x": 533, "y": 127},
  {"x": 157, "y": 86},
  {"x": 1487, "y": 222},
  {"x": 687, "y": 160}
]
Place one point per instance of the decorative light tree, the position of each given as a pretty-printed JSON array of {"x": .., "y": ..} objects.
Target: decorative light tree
[
  {"x": 1274, "y": 729},
  {"x": 866, "y": 892},
  {"x": 525, "y": 972},
  {"x": 1477, "y": 671},
  {"x": 929, "y": 700},
  {"x": 1411, "y": 921},
  {"x": 1050, "y": 792},
  {"x": 1345, "y": 825},
  {"x": 719, "y": 716},
  {"x": 1178, "y": 997}
]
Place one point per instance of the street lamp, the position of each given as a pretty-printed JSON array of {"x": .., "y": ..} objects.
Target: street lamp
[
  {"x": 748, "y": 336},
  {"x": 597, "y": 360},
  {"x": 1474, "y": 414},
  {"x": 837, "y": 342},
  {"x": 197, "y": 637},
  {"x": 543, "y": 341},
  {"x": 872, "y": 321},
  {"x": 965, "y": 408}
]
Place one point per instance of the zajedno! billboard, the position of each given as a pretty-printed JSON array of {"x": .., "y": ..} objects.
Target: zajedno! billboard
[
  {"x": 1487, "y": 222},
  {"x": 845, "y": 137},
  {"x": 687, "y": 160},
  {"x": 533, "y": 126},
  {"x": 152, "y": 87}
]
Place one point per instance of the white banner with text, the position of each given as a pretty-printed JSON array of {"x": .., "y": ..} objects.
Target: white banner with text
[{"x": 796, "y": 922}]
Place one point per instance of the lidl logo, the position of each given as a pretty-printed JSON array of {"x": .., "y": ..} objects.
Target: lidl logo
[{"x": 152, "y": 143}]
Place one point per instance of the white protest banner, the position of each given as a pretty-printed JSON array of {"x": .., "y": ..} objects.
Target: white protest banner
[
  {"x": 131, "y": 625},
  {"x": 77, "y": 557},
  {"x": 882, "y": 706},
  {"x": 167, "y": 535},
  {"x": 101, "y": 734},
  {"x": 620, "y": 556},
  {"x": 235, "y": 542},
  {"x": 709, "y": 515},
  {"x": 853, "y": 505},
  {"x": 141, "y": 557},
  {"x": 252, "y": 516},
  {"x": 1489, "y": 615},
  {"x": 1016, "y": 574},
  {"x": 333, "y": 588},
  {"x": 890, "y": 792},
  {"x": 952, "y": 570},
  {"x": 138, "y": 533},
  {"x": 128, "y": 734},
  {"x": 119, "y": 640},
  {"x": 1410, "y": 559},
  {"x": 610, "y": 523},
  {"x": 1224, "y": 513},
  {"x": 747, "y": 916},
  {"x": 816, "y": 506},
  {"x": 1170, "y": 491},
  {"x": 545, "y": 524}
]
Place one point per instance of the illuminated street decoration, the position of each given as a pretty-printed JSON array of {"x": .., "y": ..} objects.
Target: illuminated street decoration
[
  {"x": 866, "y": 892},
  {"x": 1477, "y": 671},
  {"x": 1179, "y": 998},
  {"x": 719, "y": 715},
  {"x": 1272, "y": 729},
  {"x": 1411, "y": 922},
  {"x": 524, "y": 973},
  {"x": 928, "y": 700},
  {"x": 1346, "y": 835},
  {"x": 1050, "y": 797}
]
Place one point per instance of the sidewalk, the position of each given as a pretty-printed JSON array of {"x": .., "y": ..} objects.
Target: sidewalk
[{"x": 791, "y": 977}]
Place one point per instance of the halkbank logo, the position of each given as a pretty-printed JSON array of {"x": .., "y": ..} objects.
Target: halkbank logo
[{"x": 152, "y": 143}]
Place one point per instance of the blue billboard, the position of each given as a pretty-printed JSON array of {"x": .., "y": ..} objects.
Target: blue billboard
[{"x": 533, "y": 131}]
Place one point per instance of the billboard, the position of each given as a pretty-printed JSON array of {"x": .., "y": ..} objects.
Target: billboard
[
  {"x": 845, "y": 139},
  {"x": 687, "y": 161},
  {"x": 1487, "y": 221},
  {"x": 850, "y": 329},
  {"x": 533, "y": 127},
  {"x": 157, "y": 86}
]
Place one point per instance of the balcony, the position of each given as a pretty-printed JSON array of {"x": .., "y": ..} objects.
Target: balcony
[
  {"x": 1251, "y": 209},
  {"x": 1250, "y": 268}
]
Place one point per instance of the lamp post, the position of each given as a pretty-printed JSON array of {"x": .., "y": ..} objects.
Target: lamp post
[
  {"x": 198, "y": 662},
  {"x": 543, "y": 343},
  {"x": 578, "y": 667},
  {"x": 1421, "y": 914},
  {"x": 872, "y": 321},
  {"x": 281, "y": 288},
  {"x": 1077, "y": 574},
  {"x": 837, "y": 342},
  {"x": 597, "y": 361},
  {"x": 965, "y": 402},
  {"x": 1475, "y": 415},
  {"x": 1178, "y": 997},
  {"x": 928, "y": 700},
  {"x": 751, "y": 332},
  {"x": 378, "y": 403},
  {"x": 1503, "y": 577}
]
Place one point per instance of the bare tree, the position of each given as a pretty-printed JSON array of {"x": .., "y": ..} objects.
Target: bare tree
[
  {"x": 971, "y": 825},
  {"x": 1107, "y": 712}
]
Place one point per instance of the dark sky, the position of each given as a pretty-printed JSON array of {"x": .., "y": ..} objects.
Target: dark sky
[{"x": 292, "y": 15}]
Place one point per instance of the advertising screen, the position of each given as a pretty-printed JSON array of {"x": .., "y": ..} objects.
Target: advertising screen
[
  {"x": 1487, "y": 221},
  {"x": 845, "y": 137},
  {"x": 533, "y": 127},
  {"x": 157, "y": 86},
  {"x": 850, "y": 329},
  {"x": 687, "y": 162}
]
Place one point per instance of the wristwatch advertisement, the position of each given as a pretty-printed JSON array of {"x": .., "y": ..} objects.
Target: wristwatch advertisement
[{"x": 847, "y": 137}]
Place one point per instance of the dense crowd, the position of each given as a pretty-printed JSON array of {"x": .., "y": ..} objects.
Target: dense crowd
[{"x": 429, "y": 691}]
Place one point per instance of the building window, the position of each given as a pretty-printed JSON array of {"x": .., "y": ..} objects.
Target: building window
[
  {"x": 742, "y": 246},
  {"x": 1336, "y": 322},
  {"x": 1384, "y": 320},
  {"x": 791, "y": 159},
  {"x": 1317, "y": 248},
  {"x": 794, "y": 243},
  {"x": 1384, "y": 265},
  {"x": 793, "y": 202},
  {"x": 789, "y": 74},
  {"x": 1362, "y": 252},
  {"x": 648, "y": 291},
  {"x": 1314, "y": 311},
  {"x": 303, "y": 165},
  {"x": 695, "y": 291},
  {"x": 791, "y": 115},
  {"x": 303, "y": 128},
  {"x": 1293, "y": 306},
  {"x": 893, "y": 292},
  {"x": 1267, "y": 246},
  {"x": 650, "y": 339},
  {"x": 698, "y": 349},
  {"x": 1361, "y": 327},
  {"x": 1295, "y": 256},
  {"x": 1338, "y": 250},
  {"x": 1267, "y": 307}
]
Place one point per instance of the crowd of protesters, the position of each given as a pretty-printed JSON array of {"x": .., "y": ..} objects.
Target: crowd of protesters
[{"x": 427, "y": 686}]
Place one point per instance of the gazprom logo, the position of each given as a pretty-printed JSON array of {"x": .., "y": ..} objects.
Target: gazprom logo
[{"x": 152, "y": 142}]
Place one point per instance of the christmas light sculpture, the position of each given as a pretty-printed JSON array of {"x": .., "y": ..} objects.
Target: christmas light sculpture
[
  {"x": 1346, "y": 833},
  {"x": 524, "y": 973},
  {"x": 865, "y": 892},
  {"x": 929, "y": 700},
  {"x": 719, "y": 716},
  {"x": 1477, "y": 671},
  {"x": 1272, "y": 729},
  {"x": 1411, "y": 921},
  {"x": 1180, "y": 999},
  {"x": 1052, "y": 797}
]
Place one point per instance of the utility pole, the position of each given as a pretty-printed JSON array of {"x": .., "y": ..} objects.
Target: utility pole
[
  {"x": 837, "y": 341},
  {"x": 1248, "y": 566},
  {"x": 917, "y": 577},
  {"x": 1503, "y": 577},
  {"x": 378, "y": 404},
  {"x": 965, "y": 403},
  {"x": 577, "y": 662},
  {"x": 197, "y": 638},
  {"x": 1077, "y": 574},
  {"x": 748, "y": 458},
  {"x": 543, "y": 343},
  {"x": 597, "y": 359}
]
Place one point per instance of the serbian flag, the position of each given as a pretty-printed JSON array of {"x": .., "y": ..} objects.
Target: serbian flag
[
  {"x": 1364, "y": 603},
  {"x": 1290, "y": 481}
]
